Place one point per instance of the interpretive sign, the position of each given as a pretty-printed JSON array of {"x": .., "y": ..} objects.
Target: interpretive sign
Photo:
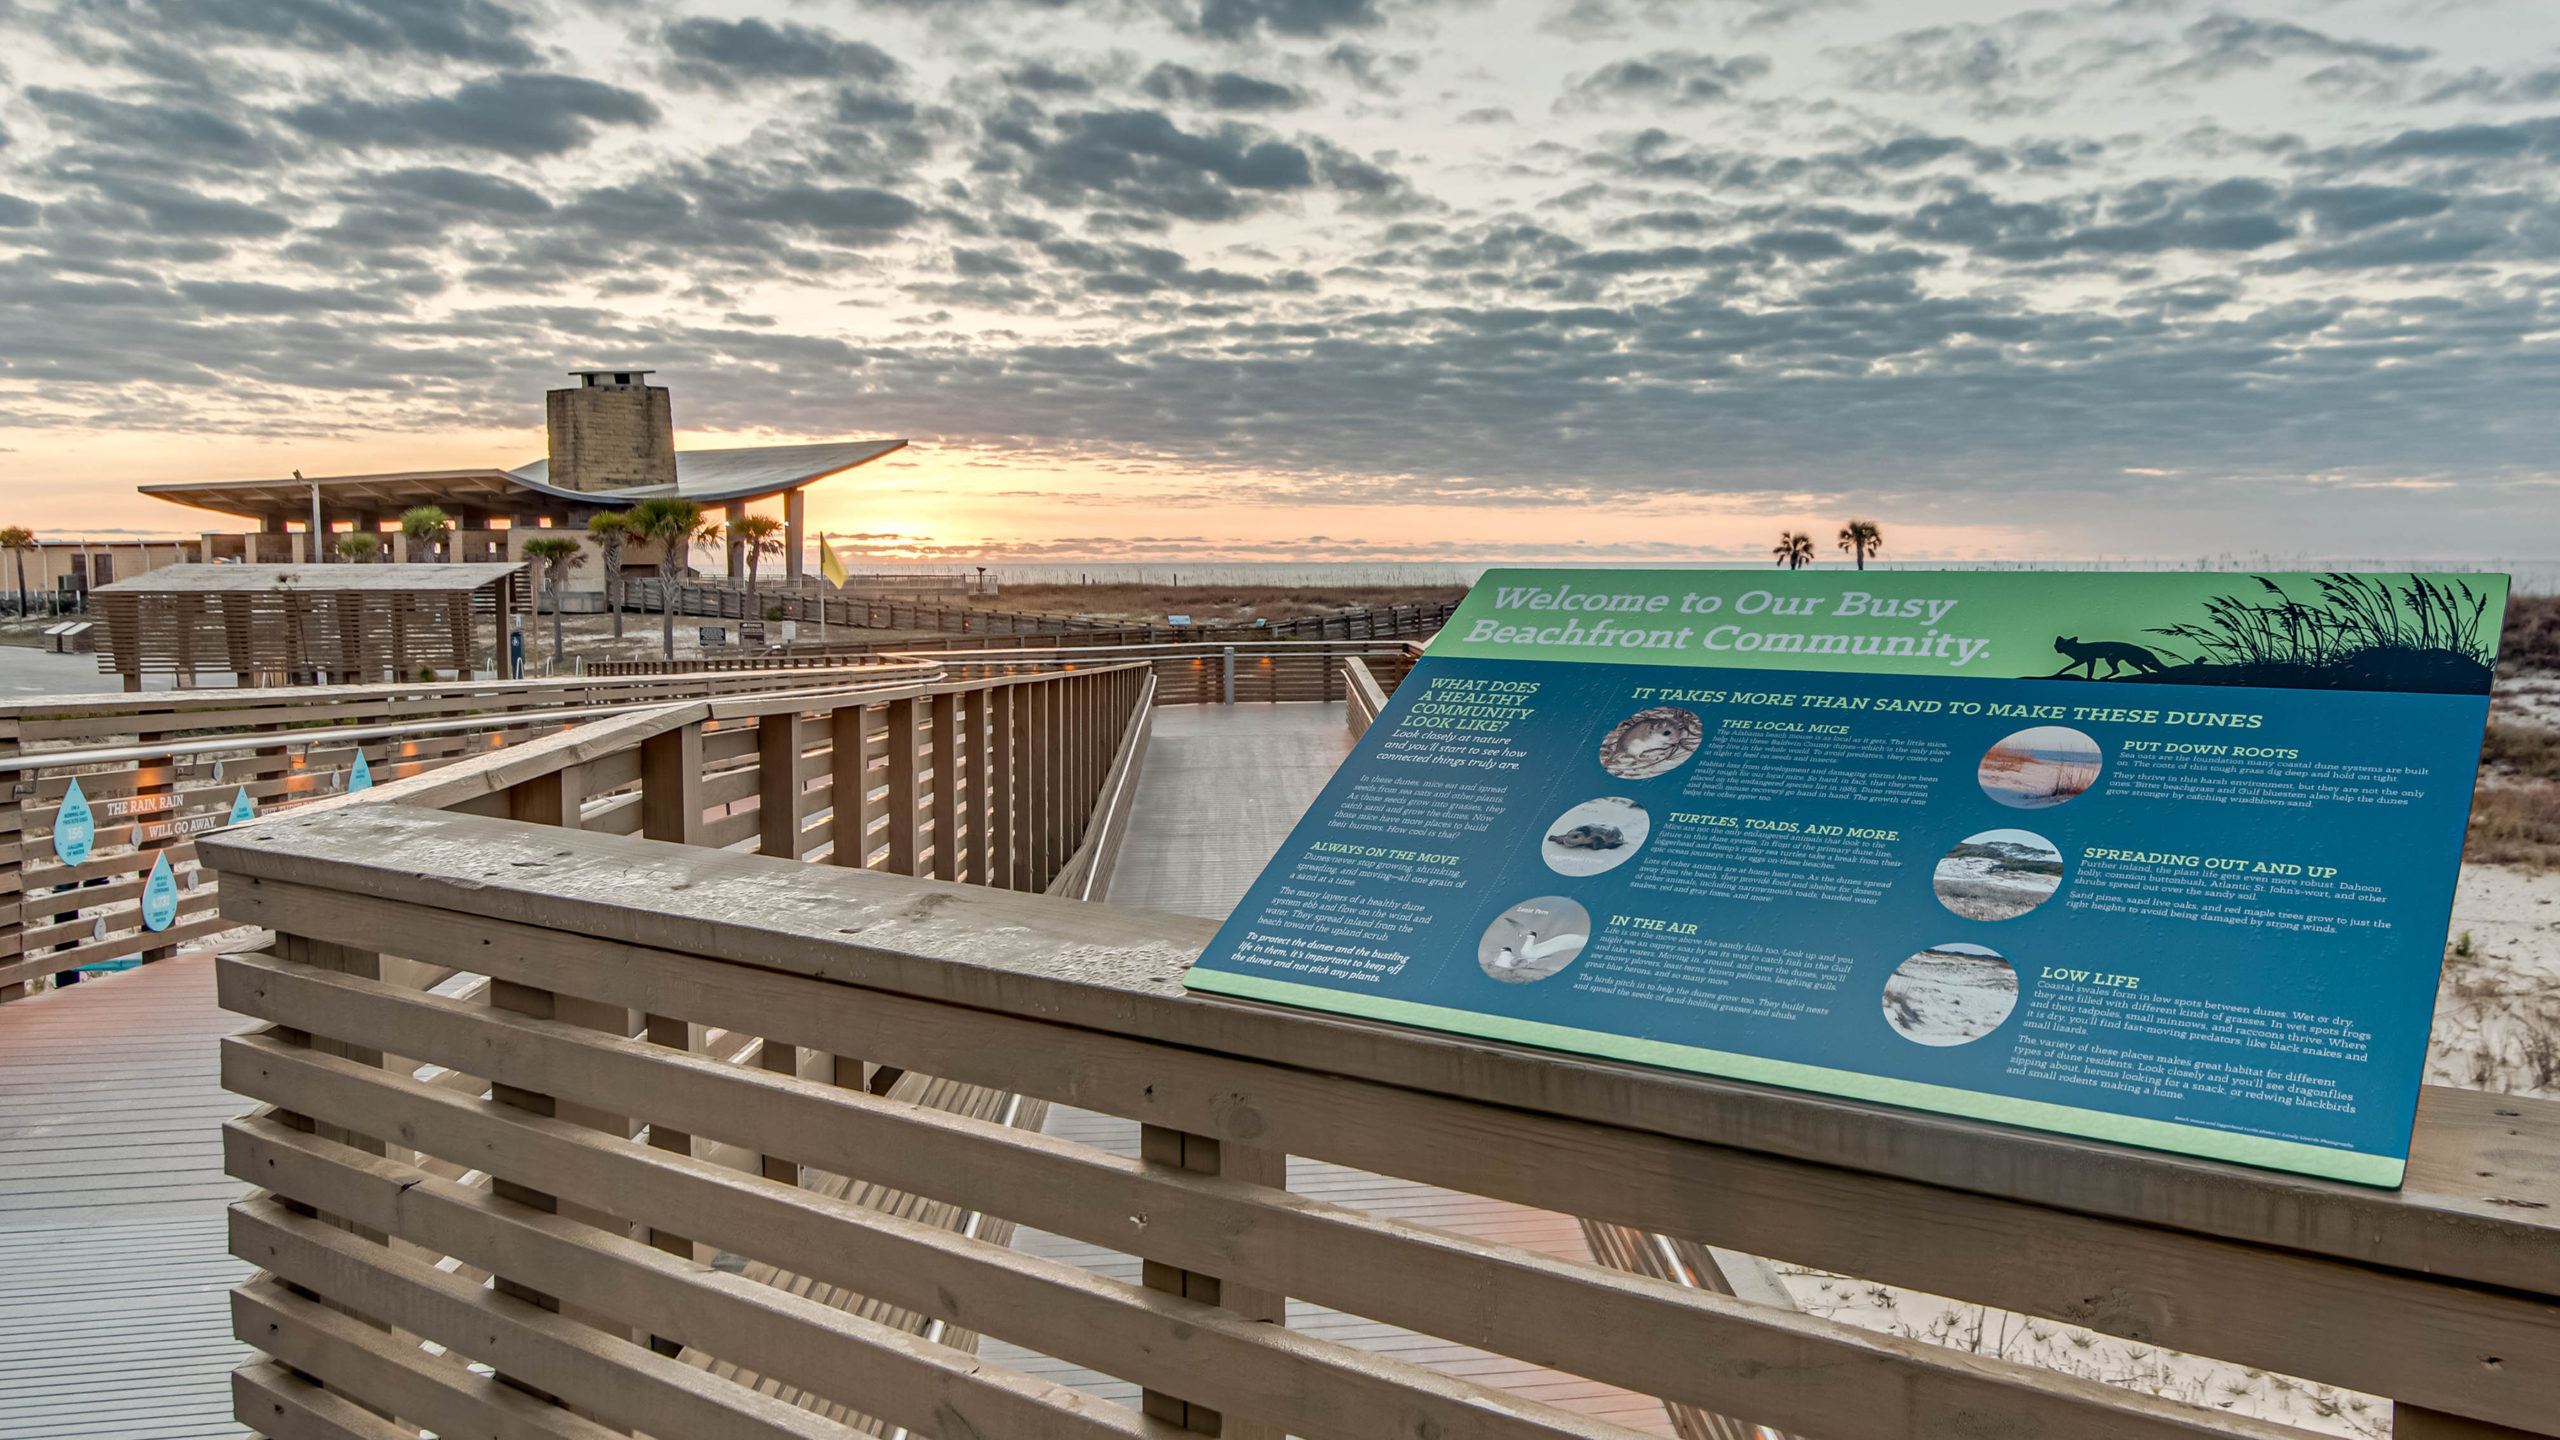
[{"x": 2164, "y": 859}]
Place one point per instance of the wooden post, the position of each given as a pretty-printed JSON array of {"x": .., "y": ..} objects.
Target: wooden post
[
  {"x": 903, "y": 799},
  {"x": 1016, "y": 793},
  {"x": 977, "y": 743},
  {"x": 671, "y": 810},
  {"x": 849, "y": 782},
  {"x": 1205, "y": 1156},
  {"x": 778, "y": 785},
  {"x": 946, "y": 786},
  {"x": 13, "y": 846},
  {"x": 167, "y": 767},
  {"x": 671, "y": 786},
  {"x": 552, "y": 799}
]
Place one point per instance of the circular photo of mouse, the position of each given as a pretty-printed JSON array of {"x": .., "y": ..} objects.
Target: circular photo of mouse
[
  {"x": 1595, "y": 836},
  {"x": 1533, "y": 940},
  {"x": 1652, "y": 742}
]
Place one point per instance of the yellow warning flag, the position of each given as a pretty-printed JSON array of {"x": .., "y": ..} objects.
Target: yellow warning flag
[{"x": 830, "y": 566}]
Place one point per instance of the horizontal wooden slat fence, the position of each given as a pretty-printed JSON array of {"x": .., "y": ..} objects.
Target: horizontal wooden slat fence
[
  {"x": 1015, "y": 782},
  {"x": 1186, "y": 674},
  {"x": 2444, "y": 1295},
  {"x": 988, "y": 630},
  {"x": 161, "y": 769}
]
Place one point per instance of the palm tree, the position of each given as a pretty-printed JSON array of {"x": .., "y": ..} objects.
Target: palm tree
[
  {"x": 1862, "y": 538},
  {"x": 759, "y": 535},
  {"x": 427, "y": 525},
  {"x": 675, "y": 526},
  {"x": 559, "y": 555},
  {"x": 358, "y": 546},
  {"x": 609, "y": 528},
  {"x": 18, "y": 540},
  {"x": 1794, "y": 549}
]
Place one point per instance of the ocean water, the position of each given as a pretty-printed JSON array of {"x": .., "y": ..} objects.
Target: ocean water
[{"x": 2532, "y": 577}]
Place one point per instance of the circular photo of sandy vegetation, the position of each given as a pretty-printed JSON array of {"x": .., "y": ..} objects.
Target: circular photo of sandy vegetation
[
  {"x": 1998, "y": 874},
  {"x": 2039, "y": 768},
  {"x": 1534, "y": 939},
  {"x": 1595, "y": 835},
  {"x": 1652, "y": 742},
  {"x": 1950, "y": 995}
]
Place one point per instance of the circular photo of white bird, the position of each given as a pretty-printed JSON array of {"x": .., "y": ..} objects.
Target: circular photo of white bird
[
  {"x": 1533, "y": 939},
  {"x": 1595, "y": 835}
]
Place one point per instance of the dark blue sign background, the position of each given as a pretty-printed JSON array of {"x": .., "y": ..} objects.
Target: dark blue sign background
[{"x": 2365, "y": 968}]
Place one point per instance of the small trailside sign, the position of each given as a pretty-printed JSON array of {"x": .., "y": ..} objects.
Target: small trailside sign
[{"x": 2164, "y": 859}]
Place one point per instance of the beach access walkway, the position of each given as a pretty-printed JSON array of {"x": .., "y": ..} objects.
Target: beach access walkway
[{"x": 113, "y": 1267}]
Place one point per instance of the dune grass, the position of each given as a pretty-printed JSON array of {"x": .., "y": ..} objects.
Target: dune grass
[{"x": 2514, "y": 825}]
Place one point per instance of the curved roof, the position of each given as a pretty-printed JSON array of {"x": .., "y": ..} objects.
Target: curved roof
[
  {"x": 708, "y": 477},
  {"x": 714, "y": 476}
]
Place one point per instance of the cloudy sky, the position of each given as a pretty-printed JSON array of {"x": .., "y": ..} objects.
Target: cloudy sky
[{"x": 1469, "y": 279}]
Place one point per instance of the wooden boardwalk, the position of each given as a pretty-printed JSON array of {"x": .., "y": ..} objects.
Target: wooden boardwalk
[
  {"x": 113, "y": 1317},
  {"x": 1222, "y": 788}
]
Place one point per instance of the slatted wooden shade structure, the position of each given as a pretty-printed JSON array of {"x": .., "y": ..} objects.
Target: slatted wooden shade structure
[{"x": 282, "y": 623}]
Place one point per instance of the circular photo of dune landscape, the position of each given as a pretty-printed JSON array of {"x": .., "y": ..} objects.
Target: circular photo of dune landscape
[
  {"x": 1998, "y": 874},
  {"x": 1534, "y": 939},
  {"x": 2039, "y": 768},
  {"x": 1595, "y": 835},
  {"x": 1950, "y": 995},
  {"x": 1652, "y": 742}
]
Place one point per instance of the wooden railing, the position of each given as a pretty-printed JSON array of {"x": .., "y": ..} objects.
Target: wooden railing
[
  {"x": 987, "y": 630},
  {"x": 1363, "y": 697},
  {"x": 526, "y": 1231},
  {"x": 160, "y": 769},
  {"x": 1186, "y": 674}
]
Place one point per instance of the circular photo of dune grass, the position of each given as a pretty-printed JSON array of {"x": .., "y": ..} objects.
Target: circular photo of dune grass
[
  {"x": 1595, "y": 836},
  {"x": 1950, "y": 995},
  {"x": 1534, "y": 939},
  {"x": 1652, "y": 742},
  {"x": 1998, "y": 874},
  {"x": 2039, "y": 768}
]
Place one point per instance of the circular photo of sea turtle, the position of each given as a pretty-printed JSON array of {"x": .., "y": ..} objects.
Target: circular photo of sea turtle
[{"x": 1595, "y": 836}]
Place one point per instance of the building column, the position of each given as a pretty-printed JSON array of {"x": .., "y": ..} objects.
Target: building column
[
  {"x": 795, "y": 533},
  {"x": 737, "y": 549}
]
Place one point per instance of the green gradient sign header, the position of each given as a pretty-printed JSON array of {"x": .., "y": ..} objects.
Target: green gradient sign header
[{"x": 1999, "y": 625}]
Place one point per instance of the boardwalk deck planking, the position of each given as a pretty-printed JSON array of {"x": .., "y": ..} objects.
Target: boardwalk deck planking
[{"x": 114, "y": 1315}]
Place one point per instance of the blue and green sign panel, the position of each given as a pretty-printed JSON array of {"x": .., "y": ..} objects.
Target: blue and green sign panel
[{"x": 2162, "y": 859}]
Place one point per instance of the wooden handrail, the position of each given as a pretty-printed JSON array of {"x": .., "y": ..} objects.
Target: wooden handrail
[
  {"x": 162, "y": 768},
  {"x": 2401, "y": 1293}
]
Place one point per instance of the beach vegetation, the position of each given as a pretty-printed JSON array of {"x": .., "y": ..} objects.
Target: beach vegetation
[
  {"x": 558, "y": 555},
  {"x": 428, "y": 525},
  {"x": 18, "y": 540},
  {"x": 675, "y": 526},
  {"x": 1860, "y": 539},
  {"x": 609, "y": 529}
]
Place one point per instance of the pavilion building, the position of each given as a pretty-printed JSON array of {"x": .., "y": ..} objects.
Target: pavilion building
[{"x": 612, "y": 445}]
